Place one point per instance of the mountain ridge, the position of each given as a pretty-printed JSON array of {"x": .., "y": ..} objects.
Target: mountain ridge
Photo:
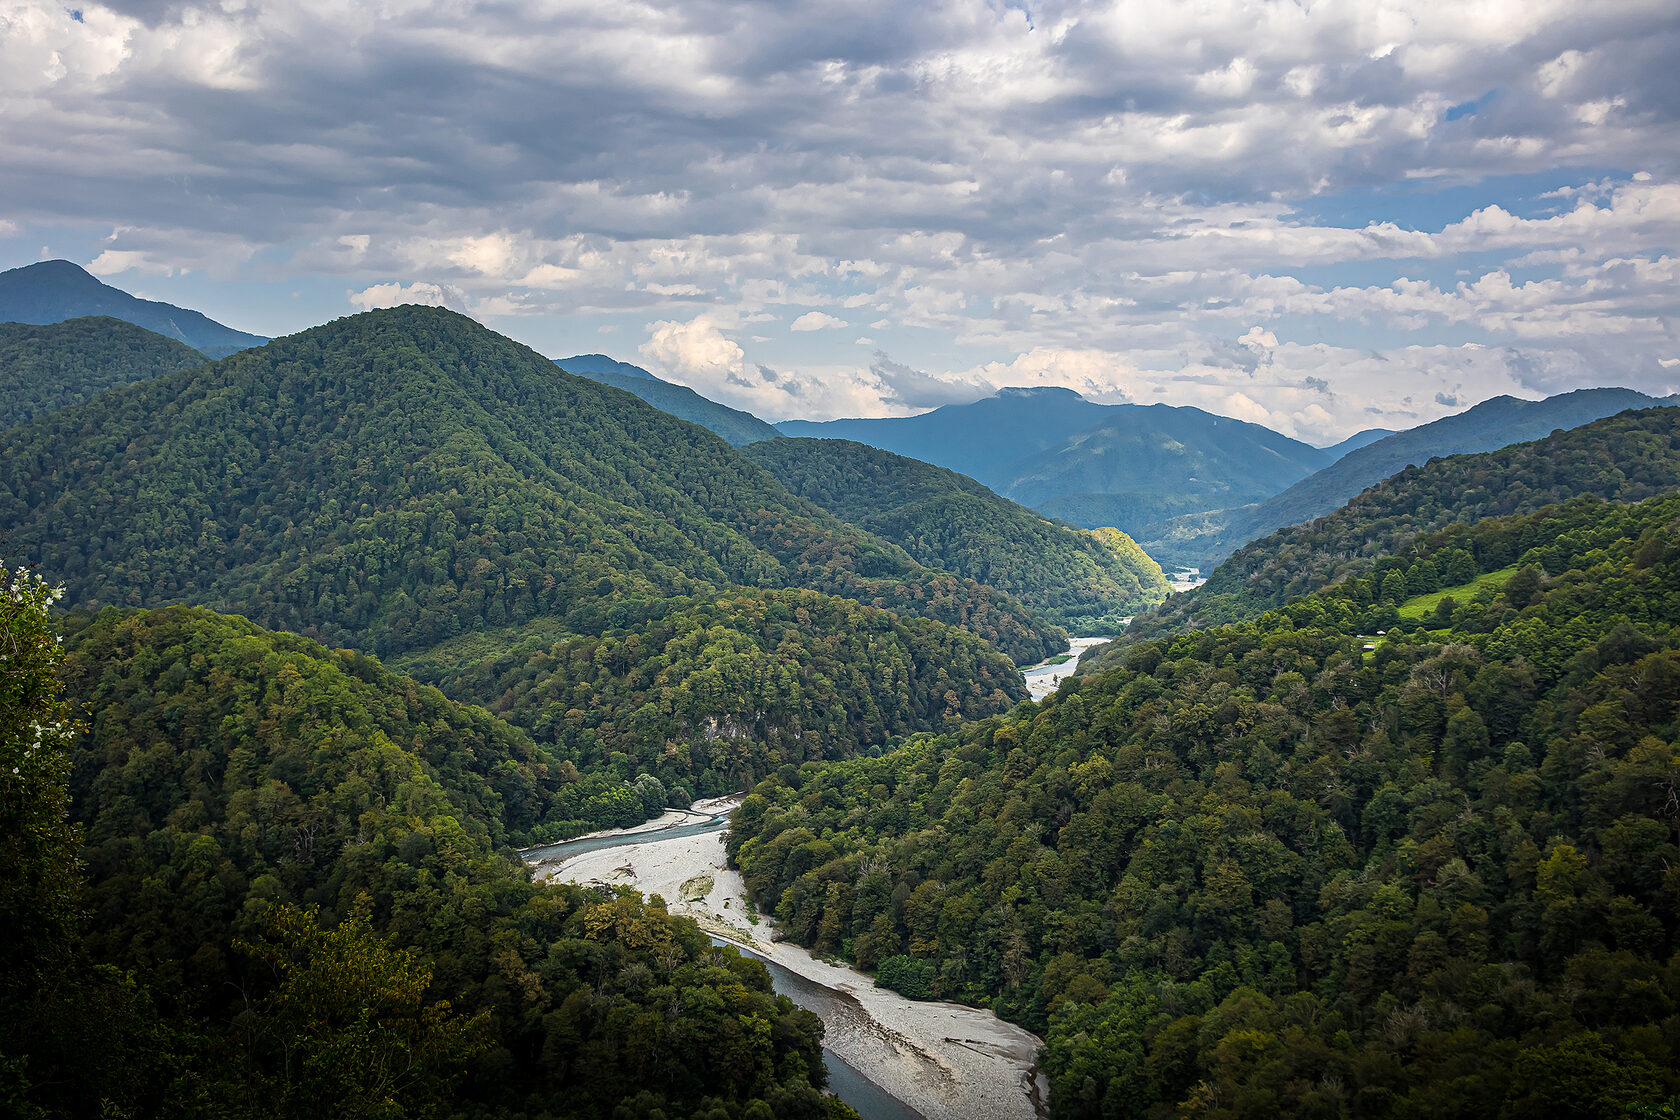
[{"x": 52, "y": 291}]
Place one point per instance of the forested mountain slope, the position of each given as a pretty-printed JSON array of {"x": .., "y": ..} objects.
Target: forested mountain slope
[
  {"x": 48, "y": 367},
  {"x": 1204, "y": 542},
  {"x": 945, "y": 520},
  {"x": 1143, "y": 462},
  {"x": 732, "y": 424},
  {"x": 1253, "y": 871},
  {"x": 1625, "y": 458},
  {"x": 394, "y": 479},
  {"x": 53, "y": 291},
  {"x": 299, "y": 902}
]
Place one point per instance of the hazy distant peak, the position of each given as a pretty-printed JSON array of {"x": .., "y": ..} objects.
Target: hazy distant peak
[{"x": 600, "y": 363}]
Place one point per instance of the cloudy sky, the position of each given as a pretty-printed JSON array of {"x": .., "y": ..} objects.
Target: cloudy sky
[{"x": 1318, "y": 216}]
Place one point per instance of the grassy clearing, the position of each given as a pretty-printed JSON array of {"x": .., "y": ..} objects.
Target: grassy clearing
[{"x": 1424, "y": 605}]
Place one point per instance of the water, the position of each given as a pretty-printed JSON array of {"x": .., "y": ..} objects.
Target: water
[
  {"x": 1043, "y": 678},
  {"x": 844, "y": 1081},
  {"x": 569, "y": 848}
]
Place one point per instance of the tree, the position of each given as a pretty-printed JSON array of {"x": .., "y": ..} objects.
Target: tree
[{"x": 347, "y": 1032}]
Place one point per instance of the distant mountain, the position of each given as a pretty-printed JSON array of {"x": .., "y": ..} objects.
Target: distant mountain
[
  {"x": 1082, "y": 580},
  {"x": 1495, "y": 423},
  {"x": 48, "y": 367},
  {"x": 1626, "y": 458},
  {"x": 738, "y": 427},
  {"x": 591, "y": 364},
  {"x": 1356, "y": 441},
  {"x": 982, "y": 439},
  {"x": 1092, "y": 464},
  {"x": 1161, "y": 453},
  {"x": 53, "y": 291}
]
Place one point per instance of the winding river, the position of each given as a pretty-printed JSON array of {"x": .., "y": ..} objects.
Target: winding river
[{"x": 888, "y": 1057}]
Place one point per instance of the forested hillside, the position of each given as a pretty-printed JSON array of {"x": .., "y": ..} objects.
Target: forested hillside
[
  {"x": 1254, "y": 871},
  {"x": 1205, "y": 541},
  {"x": 945, "y": 520},
  {"x": 1625, "y": 458},
  {"x": 48, "y": 367},
  {"x": 732, "y": 424},
  {"x": 395, "y": 479},
  {"x": 706, "y": 695},
  {"x": 53, "y": 291},
  {"x": 298, "y": 902}
]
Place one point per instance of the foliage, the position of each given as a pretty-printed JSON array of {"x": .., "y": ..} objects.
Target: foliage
[
  {"x": 43, "y": 368},
  {"x": 291, "y": 855},
  {"x": 1628, "y": 457},
  {"x": 399, "y": 478},
  {"x": 1249, "y": 872},
  {"x": 712, "y": 693},
  {"x": 1083, "y": 581}
]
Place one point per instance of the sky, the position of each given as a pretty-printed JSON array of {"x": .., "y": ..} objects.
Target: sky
[{"x": 1321, "y": 217}]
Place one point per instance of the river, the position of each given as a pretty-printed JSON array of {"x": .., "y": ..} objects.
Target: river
[
  {"x": 1043, "y": 678},
  {"x": 888, "y": 1057}
]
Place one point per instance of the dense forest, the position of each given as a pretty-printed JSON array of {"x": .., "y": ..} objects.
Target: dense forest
[
  {"x": 1078, "y": 579},
  {"x": 708, "y": 694},
  {"x": 43, "y": 368},
  {"x": 1256, "y": 870},
  {"x": 1627, "y": 457},
  {"x": 397, "y": 478},
  {"x": 282, "y": 879}
]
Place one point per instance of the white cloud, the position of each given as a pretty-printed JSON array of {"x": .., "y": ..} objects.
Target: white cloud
[
  {"x": 113, "y": 261},
  {"x": 815, "y": 321},
  {"x": 421, "y": 292},
  {"x": 695, "y": 352}
]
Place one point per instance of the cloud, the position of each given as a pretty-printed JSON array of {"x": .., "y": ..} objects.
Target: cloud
[
  {"x": 421, "y": 292},
  {"x": 114, "y": 261},
  {"x": 815, "y": 321},
  {"x": 1185, "y": 191},
  {"x": 695, "y": 353},
  {"x": 913, "y": 389}
]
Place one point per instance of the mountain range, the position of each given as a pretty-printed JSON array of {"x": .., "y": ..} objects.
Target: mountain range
[
  {"x": 53, "y": 291},
  {"x": 1204, "y": 540},
  {"x": 1091, "y": 464}
]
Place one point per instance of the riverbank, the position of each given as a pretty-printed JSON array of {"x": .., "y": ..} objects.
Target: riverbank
[
  {"x": 1043, "y": 678},
  {"x": 940, "y": 1059},
  {"x": 696, "y": 813}
]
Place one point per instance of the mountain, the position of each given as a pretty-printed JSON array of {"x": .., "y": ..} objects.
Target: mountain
[
  {"x": 735, "y": 426},
  {"x": 1077, "y": 579},
  {"x": 1203, "y": 542},
  {"x": 1356, "y": 441},
  {"x": 53, "y": 291},
  {"x": 408, "y": 482},
  {"x": 1092, "y": 464},
  {"x": 1257, "y": 871},
  {"x": 48, "y": 367},
  {"x": 1143, "y": 457},
  {"x": 1627, "y": 457},
  {"x": 591, "y": 364},
  {"x": 297, "y": 899},
  {"x": 981, "y": 439}
]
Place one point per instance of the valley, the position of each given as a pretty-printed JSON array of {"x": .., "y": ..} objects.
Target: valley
[{"x": 387, "y": 689}]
